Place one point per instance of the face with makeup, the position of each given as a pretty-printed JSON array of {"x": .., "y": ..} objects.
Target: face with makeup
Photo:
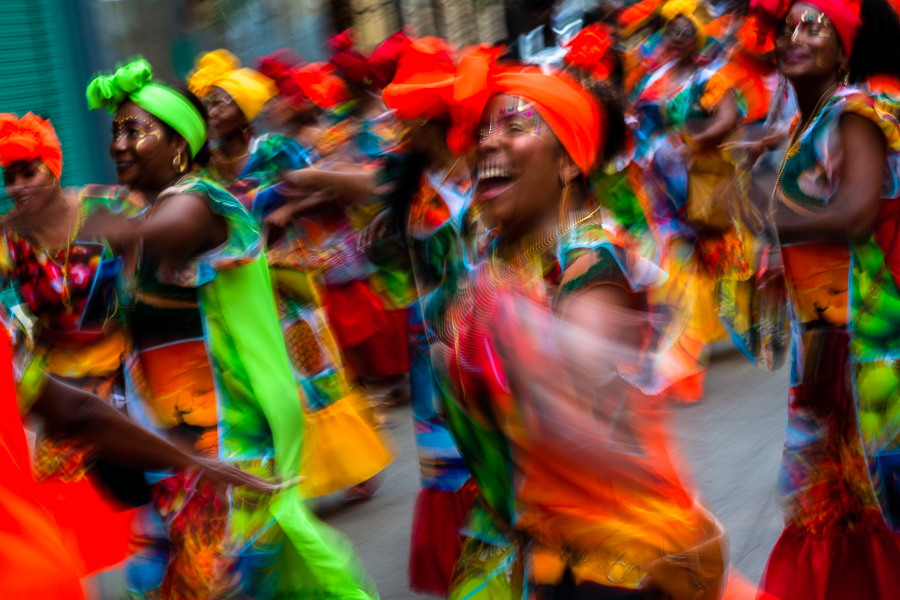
[
  {"x": 144, "y": 149},
  {"x": 225, "y": 116},
  {"x": 31, "y": 185},
  {"x": 807, "y": 45},
  {"x": 521, "y": 166},
  {"x": 681, "y": 37}
]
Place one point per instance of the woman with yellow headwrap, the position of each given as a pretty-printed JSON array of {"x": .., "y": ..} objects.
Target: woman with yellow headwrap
[
  {"x": 340, "y": 449},
  {"x": 683, "y": 125},
  {"x": 234, "y": 97}
]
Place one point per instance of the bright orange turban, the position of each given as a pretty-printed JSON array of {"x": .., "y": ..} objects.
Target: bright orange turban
[
  {"x": 29, "y": 138},
  {"x": 423, "y": 85},
  {"x": 590, "y": 50},
  {"x": 572, "y": 113}
]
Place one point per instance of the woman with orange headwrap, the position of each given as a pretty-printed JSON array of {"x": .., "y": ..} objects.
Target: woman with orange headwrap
[
  {"x": 540, "y": 350},
  {"x": 62, "y": 287}
]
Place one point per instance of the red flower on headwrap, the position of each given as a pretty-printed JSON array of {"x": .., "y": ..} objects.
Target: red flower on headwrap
[
  {"x": 589, "y": 50},
  {"x": 423, "y": 84},
  {"x": 29, "y": 138}
]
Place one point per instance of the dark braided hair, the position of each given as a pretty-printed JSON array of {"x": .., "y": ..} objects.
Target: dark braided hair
[{"x": 876, "y": 48}]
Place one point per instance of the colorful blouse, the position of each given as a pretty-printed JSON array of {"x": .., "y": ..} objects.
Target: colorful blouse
[
  {"x": 548, "y": 504},
  {"x": 72, "y": 324},
  {"x": 843, "y": 294},
  {"x": 270, "y": 155}
]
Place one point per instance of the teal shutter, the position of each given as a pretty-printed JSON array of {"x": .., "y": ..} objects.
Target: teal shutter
[{"x": 42, "y": 71}]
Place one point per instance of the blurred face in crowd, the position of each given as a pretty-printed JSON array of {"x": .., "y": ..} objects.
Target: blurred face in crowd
[
  {"x": 31, "y": 185},
  {"x": 681, "y": 37},
  {"x": 225, "y": 116}
]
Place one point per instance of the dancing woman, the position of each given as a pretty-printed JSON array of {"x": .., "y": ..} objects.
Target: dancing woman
[
  {"x": 210, "y": 368},
  {"x": 577, "y": 488},
  {"x": 838, "y": 172}
]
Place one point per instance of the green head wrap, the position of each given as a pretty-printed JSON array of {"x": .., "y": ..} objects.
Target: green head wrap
[{"x": 134, "y": 82}]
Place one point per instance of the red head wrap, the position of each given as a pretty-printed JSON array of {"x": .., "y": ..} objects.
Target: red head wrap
[
  {"x": 572, "y": 113},
  {"x": 843, "y": 14},
  {"x": 29, "y": 138},
  {"x": 321, "y": 86},
  {"x": 280, "y": 66},
  {"x": 348, "y": 60},
  {"x": 751, "y": 42},
  {"x": 589, "y": 50},
  {"x": 376, "y": 70},
  {"x": 423, "y": 85}
]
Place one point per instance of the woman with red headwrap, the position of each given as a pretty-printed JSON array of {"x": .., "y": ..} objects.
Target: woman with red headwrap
[
  {"x": 541, "y": 350},
  {"x": 833, "y": 211},
  {"x": 430, "y": 193},
  {"x": 305, "y": 93}
]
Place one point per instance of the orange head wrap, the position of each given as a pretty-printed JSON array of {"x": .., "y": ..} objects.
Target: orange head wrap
[
  {"x": 29, "y": 138},
  {"x": 569, "y": 110},
  {"x": 589, "y": 50},
  {"x": 423, "y": 85}
]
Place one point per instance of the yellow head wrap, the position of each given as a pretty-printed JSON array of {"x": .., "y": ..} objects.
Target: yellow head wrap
[
  {"x": 221, "y": 69},
  {"x": 684, "y": 8}
]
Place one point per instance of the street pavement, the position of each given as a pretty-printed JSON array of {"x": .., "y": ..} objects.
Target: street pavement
[{"x": 732, "y": 440}]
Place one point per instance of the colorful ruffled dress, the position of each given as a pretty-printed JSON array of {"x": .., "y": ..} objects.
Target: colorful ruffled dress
[
  {"x": 434, "y": 226},
  {"x": 840, "y": 463},
  {"x": 340, "y": 448},
  {"x": 69, "y": 326},
  {"x": 366, "y": 306},
  {"x": 597, "y": 509},
  {"x": 210, "y": 371},
  {"x": 694, "y": 259},
  {"x": 269, "y": 155}
]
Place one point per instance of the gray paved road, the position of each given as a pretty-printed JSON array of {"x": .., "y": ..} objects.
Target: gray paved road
[{"x": 732, "y": 440}]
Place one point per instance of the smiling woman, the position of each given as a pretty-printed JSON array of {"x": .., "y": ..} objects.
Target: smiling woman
[
  {"x": 537, "y": 359},
  {"x": 209, "y": 368},
  {"x": 839, "y": 452}
]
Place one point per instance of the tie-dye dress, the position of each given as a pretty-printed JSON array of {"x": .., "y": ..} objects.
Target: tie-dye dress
[
  {"x": 210, "y": 371},
  {"x": 840, "y": 466}
]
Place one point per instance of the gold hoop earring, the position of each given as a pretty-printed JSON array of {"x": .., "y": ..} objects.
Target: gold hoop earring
[
  {"x": 564, "y": 206},
  {"x": 180, "y": 163}
]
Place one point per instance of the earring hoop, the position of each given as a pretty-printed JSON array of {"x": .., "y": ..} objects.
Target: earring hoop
[{"x": 180, "y": 163}]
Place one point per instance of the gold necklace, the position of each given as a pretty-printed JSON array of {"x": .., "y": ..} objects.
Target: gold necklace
[
  {"x": 794, "y": 145},
  {"x": 479, "y": 301}
]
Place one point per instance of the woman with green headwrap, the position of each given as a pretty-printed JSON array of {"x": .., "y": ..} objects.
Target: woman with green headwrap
[{"x": 209, "y": 368}]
